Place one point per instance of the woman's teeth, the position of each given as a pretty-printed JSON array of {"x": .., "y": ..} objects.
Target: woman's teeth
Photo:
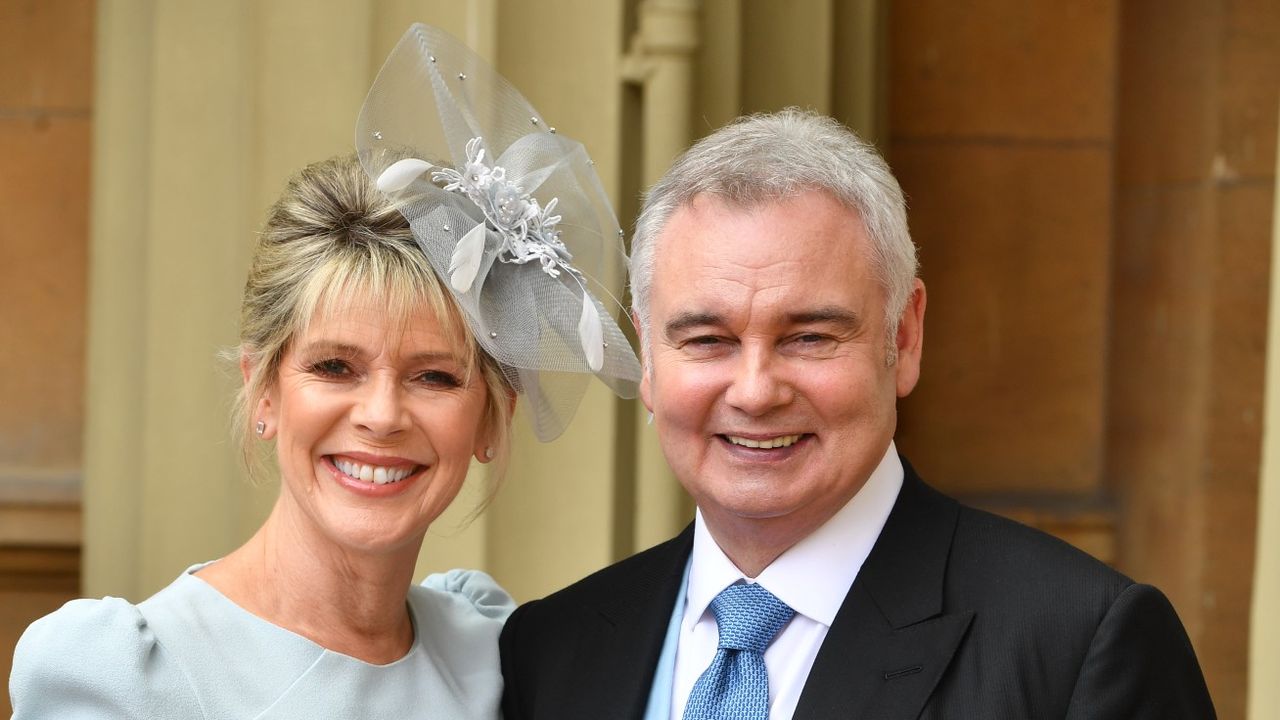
[
  {"x": 769, "y": 444},
  {"x": 375, "y": 474}
]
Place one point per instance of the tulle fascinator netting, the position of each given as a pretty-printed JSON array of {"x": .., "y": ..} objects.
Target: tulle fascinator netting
[{"x": 511, "y": 215}]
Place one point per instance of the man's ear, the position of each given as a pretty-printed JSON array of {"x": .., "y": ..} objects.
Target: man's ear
[
  {"x": 910, "y": 340},
  {"x": 645, "y": 370}
]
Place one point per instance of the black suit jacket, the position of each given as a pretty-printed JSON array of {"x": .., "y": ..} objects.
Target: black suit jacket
[{"x": 956, "y": 613}]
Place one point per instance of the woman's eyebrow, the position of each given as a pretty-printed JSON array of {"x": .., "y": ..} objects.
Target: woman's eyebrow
[
  {"x": 345, "y": 350},
  {"x": 433, "y": 356},
  {"x": 330, "y": 347}
]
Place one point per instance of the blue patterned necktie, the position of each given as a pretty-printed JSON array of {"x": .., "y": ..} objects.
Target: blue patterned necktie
[{"x": 735, "y": 686}]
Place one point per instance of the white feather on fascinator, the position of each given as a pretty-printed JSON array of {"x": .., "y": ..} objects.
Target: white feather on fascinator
[{"x": 510, "y": 214}]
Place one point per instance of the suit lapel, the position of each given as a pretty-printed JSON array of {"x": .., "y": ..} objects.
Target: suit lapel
[
  {"x": 890, "y": 641},
  {"x": 622, "y": 634}
]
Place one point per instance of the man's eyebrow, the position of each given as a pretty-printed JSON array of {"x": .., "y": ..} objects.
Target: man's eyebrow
[
  {"x": 831, "y": 314},
  {"x": 685, "y": 320}
]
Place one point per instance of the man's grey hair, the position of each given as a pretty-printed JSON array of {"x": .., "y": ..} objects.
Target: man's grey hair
[{"x": 766, "y": 157}]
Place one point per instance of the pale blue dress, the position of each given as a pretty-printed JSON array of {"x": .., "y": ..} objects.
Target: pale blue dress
[{"x": 188, "y": 652}]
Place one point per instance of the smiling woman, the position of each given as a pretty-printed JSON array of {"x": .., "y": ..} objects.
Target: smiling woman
[
  {"x": 337, "y": 251},
  {"x": 361, "y": 374},
  {"x": 360, "y": 369},
  {"x": 375, "y": 378},
  {"x": 376, "y": 393},
  {"x": 344, "y": 319}
]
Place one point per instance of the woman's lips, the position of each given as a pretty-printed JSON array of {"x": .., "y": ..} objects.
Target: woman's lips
[{"x": 372, "y": 471}]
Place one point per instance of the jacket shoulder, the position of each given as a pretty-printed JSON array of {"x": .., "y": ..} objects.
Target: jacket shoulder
[{"x": 994, "y": 551}]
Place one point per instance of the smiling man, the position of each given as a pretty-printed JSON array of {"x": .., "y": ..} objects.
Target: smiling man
[{"x": 775, "y": 291}]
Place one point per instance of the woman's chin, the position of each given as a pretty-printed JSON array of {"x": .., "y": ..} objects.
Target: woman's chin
[{"x": 376, "y": 538}]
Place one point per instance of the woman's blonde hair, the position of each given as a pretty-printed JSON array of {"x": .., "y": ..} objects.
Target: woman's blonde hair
[{"x": 333, "y": 236}]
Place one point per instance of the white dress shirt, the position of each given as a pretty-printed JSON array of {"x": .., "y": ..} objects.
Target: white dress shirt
[{"x": 812, "y": 577}]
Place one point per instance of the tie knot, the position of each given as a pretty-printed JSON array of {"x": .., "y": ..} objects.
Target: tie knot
[{"x": 749, "y": 616}]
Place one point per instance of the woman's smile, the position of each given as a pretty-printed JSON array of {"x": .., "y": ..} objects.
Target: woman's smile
[{"x": 378, "y": 471}]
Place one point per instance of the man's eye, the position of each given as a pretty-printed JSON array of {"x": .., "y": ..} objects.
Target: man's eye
[
  {"x": 332, "y": 368},
  {"x": 811, "y": 343},
  {"x": 704, "y": 340}
]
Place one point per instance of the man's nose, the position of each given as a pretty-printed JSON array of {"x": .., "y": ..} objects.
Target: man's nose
[
  {"x": 759, "y": 384},
  {"x": 380, "y": 409}
]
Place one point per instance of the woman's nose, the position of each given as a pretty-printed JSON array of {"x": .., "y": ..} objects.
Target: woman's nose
[{"x": 380, "y": 409}]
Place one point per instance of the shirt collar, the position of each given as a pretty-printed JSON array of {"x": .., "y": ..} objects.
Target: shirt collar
[{"x": 815, "y": 574}]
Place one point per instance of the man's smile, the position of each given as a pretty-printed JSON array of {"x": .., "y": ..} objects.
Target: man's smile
[{"x": 766, "y": 443}]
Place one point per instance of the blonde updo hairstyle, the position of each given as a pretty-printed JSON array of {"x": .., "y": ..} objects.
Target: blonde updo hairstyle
[{"x": 332, "y": 236}]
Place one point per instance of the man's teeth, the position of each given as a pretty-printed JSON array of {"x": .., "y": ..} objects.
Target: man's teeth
[
  {"x": 375, "y": 474},
  {"x": 769, "y": 444}
]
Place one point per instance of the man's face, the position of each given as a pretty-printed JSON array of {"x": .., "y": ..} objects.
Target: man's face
[{"x": 769, "y": 378}]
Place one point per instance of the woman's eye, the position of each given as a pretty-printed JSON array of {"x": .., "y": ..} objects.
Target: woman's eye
[
  {"x": 440, "y": 378},
  {"x": 332, "y": 368}
]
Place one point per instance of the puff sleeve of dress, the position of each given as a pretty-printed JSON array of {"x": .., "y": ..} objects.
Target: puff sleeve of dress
[
  {"x": 476, "y": 588},
  {"x": 97, "y": 659}
]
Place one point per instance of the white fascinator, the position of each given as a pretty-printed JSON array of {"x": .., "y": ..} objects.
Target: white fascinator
[{"x": 510, "y": 214}]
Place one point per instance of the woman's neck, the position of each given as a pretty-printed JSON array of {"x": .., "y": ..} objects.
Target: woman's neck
[{"x": 349, "y": 602}]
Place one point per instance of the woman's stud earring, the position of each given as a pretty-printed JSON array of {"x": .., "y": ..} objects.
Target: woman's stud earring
[
  {"x": 488, "y": 453},
  {"x": 261, "y": 427}
]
